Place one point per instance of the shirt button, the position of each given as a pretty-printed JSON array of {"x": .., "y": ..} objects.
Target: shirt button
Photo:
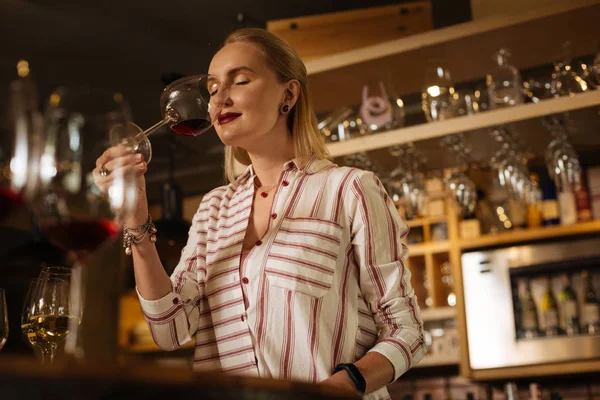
[
  {"x": 273, "y": 216},
  {"x": 243, "y": 318},
  {"x": 175, "y": 300},
  {"x": 285, "y": 183},
  {"x": 258, "y": 243},
  {"x": 245, "y": 280}
]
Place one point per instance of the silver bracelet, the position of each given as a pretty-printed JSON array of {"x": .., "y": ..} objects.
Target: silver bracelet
[{"x": 137, "y": 234}]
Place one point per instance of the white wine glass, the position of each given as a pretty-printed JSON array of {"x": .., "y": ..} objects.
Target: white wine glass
[
  {"x": 53, "y": 312},
  {"x": 37, "y": 343}
]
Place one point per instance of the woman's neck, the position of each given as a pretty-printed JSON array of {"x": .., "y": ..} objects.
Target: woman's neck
[{"x": 268, "y": 159}]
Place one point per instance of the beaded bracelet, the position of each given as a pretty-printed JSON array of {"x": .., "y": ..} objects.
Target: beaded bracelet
[{"x": 137, "y": 234}]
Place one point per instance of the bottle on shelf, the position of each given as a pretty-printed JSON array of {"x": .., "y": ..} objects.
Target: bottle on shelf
[
  {"x": 535, "y": 391},
  {"x": 511, "y": 391},
  {"x": 568, "y": 300},
  {"x": 566, "y": 201},
  {"x": 528, "y": 311},
  {"x": 591, "y": 306},
  {"x": 582, "y": 199},
  {"x": 550, "y": 210},
  {"x": 550, "y": 311},
  {"x": 534, "y": 203}
]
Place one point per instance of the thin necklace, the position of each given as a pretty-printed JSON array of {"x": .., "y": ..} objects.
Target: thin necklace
[{"x": 265, "y": 192}]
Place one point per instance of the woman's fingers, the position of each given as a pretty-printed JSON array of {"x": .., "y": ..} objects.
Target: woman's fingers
[
  {"x": 123, "y": 161},
  {"x": 113, "y": 152},
  {"x": 104, "y": 182}
]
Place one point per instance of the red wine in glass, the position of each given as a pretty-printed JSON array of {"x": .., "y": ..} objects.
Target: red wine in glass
[
  {"x": 81, "y": 235},
  {"x": 9, "y": 201},
  {"x": 191, "y": 127}
]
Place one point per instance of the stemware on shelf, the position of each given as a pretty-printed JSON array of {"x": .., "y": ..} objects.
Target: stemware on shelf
[
  {"x": 566, "y": 81},
  {"x": 380, "y": 111},
  {"x": 3, "y": 319},
  {"x": 504, "y": 83},
  {"x": 436, "y": 97},
  {"x": 20, "y": 146}
]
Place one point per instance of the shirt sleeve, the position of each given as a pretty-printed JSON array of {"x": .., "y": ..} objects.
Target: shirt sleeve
[
  {"x": 174, "y": 319},
  {"x": 377, "y": 232}
]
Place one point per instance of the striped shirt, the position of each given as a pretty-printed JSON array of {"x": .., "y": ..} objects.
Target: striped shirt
[{"x": 325, "y": 285}]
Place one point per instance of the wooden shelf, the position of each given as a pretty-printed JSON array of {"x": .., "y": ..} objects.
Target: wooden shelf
[
  {"x": 337, "y": 80},
  {"x": 437, "y": 361},
  {"x": 421, "y": 249},
  {"x": 425, "y": 221},
  {"x": 464, "y": 124},
  {"x": 438, "y": 313},
  {"x": 529, "y": 235}
]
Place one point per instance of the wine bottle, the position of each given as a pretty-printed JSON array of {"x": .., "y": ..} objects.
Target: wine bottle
[
  {"x": 568, "y": 300},
  {"x": 591, "y": 306},
  {"x": 529, "y": 317},
  {"x": 549, "y": 203},
  {"x": 550, "y": 311}
]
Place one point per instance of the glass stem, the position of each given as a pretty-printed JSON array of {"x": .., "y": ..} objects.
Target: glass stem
[
  {"x": 52, "y": 353},
  {"x": 44, "y": 356},
  {"x": 140, "y": 136}
]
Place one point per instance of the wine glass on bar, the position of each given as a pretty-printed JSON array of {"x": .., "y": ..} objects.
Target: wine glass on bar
[
  {"x": 37, "y": 343},
  {"x": 19, "y": 147}
]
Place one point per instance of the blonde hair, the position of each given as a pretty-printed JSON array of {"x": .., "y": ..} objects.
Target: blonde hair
[{"x": 302, "y": 122}]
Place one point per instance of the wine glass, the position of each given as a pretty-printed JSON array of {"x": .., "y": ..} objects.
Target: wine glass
[
  {"x": 28, "y": 327},
  {"x": 458, "y": 184},
  {"x": 3, "y": 319},
  {"x": 74, "y": 214},
  {"x": 189, "y": 106},
  {"x": 436, "y": 98},
  {"x": 19, "y": 147},
  {"x": 52, "y": 312},
  {"x": 504, "y": 83}
]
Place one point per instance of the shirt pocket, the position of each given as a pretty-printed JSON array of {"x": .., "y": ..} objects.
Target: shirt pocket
[{"x": 304, "y": 255}]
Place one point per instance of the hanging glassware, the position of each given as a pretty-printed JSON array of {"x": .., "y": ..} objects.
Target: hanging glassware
[
  {"x": 458, "y": 184},
  {"x": 504, "y": 83},
  {"x": 436, "y": 98},
  {"x": 405, "y": 184},
  {"x": 565, "y": 80}
]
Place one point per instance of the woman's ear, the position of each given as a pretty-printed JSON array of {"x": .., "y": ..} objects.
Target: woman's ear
[{"x": 292, "y": 91}]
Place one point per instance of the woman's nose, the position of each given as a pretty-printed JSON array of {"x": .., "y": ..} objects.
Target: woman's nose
[{"x": 221, "y": 98}]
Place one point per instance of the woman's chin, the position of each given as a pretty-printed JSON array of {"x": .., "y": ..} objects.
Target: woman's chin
[{"x": 234, "y": 139}]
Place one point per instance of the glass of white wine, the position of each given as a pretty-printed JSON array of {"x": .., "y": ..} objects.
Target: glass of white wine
[
  {"x": 27, "y": 326},
  {"x": 51, "y": 313}
]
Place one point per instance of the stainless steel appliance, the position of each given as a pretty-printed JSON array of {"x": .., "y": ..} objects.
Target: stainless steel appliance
[{"x": 494, "y": 307}]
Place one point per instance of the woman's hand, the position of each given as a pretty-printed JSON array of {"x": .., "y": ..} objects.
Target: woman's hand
[
  {"x": 340, "y": 381},
  {"x": 119, "y": 161}
]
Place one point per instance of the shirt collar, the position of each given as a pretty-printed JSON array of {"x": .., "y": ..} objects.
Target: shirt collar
[{"x": 309, "y": 167}]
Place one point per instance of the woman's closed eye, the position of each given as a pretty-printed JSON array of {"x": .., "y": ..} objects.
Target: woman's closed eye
[{"x": 241, "y": 83}]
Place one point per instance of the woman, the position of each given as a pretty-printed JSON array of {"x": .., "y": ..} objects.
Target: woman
[{"x": 295, "y": 269}]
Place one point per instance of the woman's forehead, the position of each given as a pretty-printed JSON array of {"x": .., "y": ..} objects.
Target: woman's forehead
[{"x": 234, "y": 56}]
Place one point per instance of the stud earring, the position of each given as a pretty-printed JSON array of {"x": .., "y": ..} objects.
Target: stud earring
[{"x": 285, "y": 108}]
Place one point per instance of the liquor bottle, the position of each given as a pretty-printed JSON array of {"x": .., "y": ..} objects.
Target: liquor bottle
[
  {"x": 535, "y": 392},
  {"x": 534, "y": 203},
  {"x": 511, "y": 390},
  {"x": 582, "y": 200},
  {"x": 550, "y": 311},
  {"x": 591, "y": 307},
  {"x": 550, "y": 211},
  {"x": 529, "y": 317},
  {"x": 568, "y": 300}
]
